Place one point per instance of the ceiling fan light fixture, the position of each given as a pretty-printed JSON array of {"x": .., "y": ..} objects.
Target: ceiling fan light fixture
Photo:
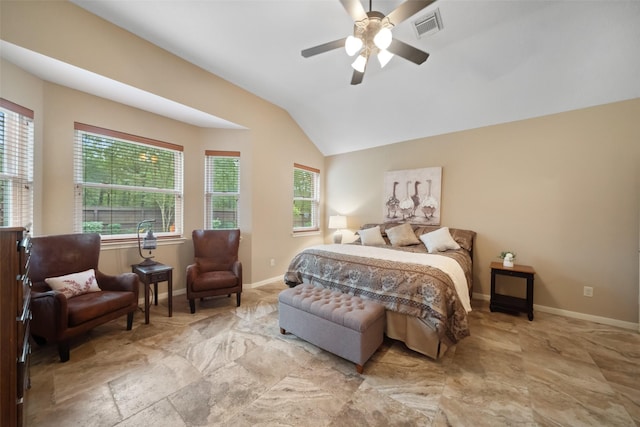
[
  {"x": 360, "y": 63},
  {"x": 384, "y": 56},
  {"x": 371, "y": 35},
  {"x": 352, "y": 45},
  {"x": 383, "y": 38}
]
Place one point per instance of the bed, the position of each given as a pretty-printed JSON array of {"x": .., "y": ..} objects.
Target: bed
[{"x": 426, "y": 295}]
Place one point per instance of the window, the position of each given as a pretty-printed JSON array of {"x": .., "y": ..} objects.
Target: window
[
  {"x": 306, "y": 198},
  {"x": 222, "y": 189},
  {"x": 16, "y": 165},
  {"x": 122, "y": 179}
]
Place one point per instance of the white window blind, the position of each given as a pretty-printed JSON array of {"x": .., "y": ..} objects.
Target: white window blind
[
  {"x": 16, "y": 165},
  {"x": 222, "y": 189},
  {"x": 306, "y": 198},
  {"x": 123, "y": 179}
]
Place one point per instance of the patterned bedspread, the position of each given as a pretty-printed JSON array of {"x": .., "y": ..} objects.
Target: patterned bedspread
[{"x": 408, "y": 287}]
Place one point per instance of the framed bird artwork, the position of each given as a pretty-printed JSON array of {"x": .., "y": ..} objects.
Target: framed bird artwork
[{"x": 413, "y": 195}]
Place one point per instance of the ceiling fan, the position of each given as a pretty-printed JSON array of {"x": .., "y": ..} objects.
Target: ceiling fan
[{"x": 372, "y": 36}]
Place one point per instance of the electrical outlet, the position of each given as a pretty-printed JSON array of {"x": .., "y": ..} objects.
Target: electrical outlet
[
  {"x": 588, "y": 291},
  {"x": 272, "y": 262}
]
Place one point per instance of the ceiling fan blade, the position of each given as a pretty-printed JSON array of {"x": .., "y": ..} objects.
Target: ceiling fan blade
[
  {"x": 407, "y": 9},
  {"x": 357, "y": 77},
  {"x": 325, "y": 47},
  {"x": 354, "y": 9},
  {"x": 408, "y": 52}
]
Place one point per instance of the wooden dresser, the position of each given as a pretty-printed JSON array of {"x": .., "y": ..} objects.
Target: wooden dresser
[{"x": 15, "y": 314}]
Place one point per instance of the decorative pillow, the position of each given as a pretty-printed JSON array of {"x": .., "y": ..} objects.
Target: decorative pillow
[
  {"x": 463, "y": 237},
  {"x": 439, "y": 240},
  {"x": 402, "y": 235},
  {"x": 371, "y": 236},
  {"x": 371, "y": 225},
  {"x": 74, "y": 284}
]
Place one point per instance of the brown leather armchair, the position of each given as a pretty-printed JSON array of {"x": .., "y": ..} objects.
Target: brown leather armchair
[
  {"x": 58, "y": 319},
  {"x": 217, "y": 270}
]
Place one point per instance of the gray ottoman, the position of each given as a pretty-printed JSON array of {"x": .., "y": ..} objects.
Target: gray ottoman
[{"x": 345, "y": 325}]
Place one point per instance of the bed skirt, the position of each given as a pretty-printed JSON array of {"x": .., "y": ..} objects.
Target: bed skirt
[{"x": 415, "y": 333}]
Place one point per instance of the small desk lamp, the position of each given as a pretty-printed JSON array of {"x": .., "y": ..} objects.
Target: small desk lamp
[
  {"x": 337, "y": 222},
  {"x": 148, "y": 242}
]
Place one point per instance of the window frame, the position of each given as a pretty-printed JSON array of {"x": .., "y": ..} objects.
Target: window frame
[
  {"x": 18, "y": 164},
  {"x": 314, "y": 199},
  {"x": 144, "y": 143},
  {"x": 210, "y": 194}
]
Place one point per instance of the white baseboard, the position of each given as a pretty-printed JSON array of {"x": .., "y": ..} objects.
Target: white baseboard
[
  {"x": 182, "y": 291},
  {"x": 161, "y": 296},
  {"x": 267, "y": 282},
  {"x": 483, "y": 297},
  {"x": 574, "y": 314}
]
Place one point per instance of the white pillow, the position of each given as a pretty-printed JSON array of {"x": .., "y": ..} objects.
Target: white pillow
[
  {"x": 371, "y": 236},
  {"x": 439, "y": 240},
  {"x": 402, "y": 235},
  {"x": 74, "y": 284}
]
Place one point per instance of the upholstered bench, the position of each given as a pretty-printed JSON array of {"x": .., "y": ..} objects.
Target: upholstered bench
[{"x": 345, "y": 325}]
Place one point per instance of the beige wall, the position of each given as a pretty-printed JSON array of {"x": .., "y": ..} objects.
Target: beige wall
[
  {"x": 561, "y": 191},
  {"x": 269, "y": 148}
]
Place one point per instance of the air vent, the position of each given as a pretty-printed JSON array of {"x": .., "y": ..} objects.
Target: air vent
[{"x": 429, "y": 24}]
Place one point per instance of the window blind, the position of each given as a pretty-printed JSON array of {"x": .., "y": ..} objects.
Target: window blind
[
  {"x": 123, "y": 179},
  {"x": 222, "y": 189},
  {"x": 16, "y": 165},
  {"x": 306, "y": 198}
]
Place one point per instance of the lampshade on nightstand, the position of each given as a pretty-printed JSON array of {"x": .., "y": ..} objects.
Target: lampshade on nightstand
[{"x": 337, "y": 222}]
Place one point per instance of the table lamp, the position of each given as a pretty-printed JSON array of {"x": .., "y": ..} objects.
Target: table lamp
[
  {"x": 148, "y": 242},
  {"x": 337, "y": 222}
]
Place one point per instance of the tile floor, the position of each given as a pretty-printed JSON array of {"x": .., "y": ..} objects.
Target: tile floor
[{"x": 230, "y": 366}]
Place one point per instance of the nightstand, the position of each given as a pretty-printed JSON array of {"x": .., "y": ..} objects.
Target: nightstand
[
  {"x": 152, "y": 274},
  {"x": 508, "y": 303}
]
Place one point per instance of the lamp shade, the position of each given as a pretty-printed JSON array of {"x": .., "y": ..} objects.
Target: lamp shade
[
  {"x": 337, "y": 222},
  {"x": 383, "y": 39},
  {"x": 149, "y": 241},
  {"x": 352, "y": 45},
  {"x": 360, "y": 63},
  {"x": 384, "y": 56}
]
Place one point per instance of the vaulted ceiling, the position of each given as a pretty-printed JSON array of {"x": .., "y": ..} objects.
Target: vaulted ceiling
[{"x": 493, "y": 61}]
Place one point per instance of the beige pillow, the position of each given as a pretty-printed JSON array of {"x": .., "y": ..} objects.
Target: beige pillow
[
  {"x": 74, "y": 284},
  {"x": 439, "y": 240},
  {"x": 463, "y": 237},
  {"x": 371, "y": 236},
  {"x": 402, "y": 235}
]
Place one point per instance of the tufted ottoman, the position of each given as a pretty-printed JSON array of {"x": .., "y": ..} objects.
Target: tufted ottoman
[{"x": 345, "y": 325}]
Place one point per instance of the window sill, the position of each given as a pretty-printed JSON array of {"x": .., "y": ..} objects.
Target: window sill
[
  {"x": 106, "y": 245},
  {"x": 306, "y": 233}
]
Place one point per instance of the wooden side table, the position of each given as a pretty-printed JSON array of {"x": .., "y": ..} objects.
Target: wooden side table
[
  {"x": 506, "y": 302},
  {"x": 152, "y": 274}
]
